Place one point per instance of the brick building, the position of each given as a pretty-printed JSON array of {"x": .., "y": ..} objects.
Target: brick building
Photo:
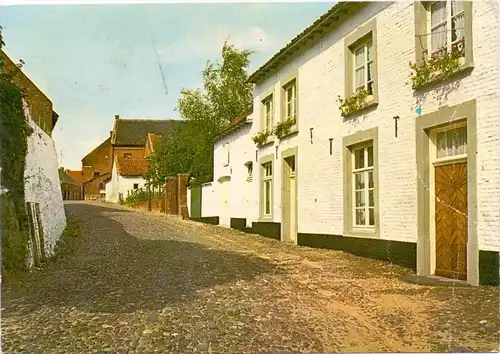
[
  {"x": 127, "y": 140},
  {"x": 71, "y": 189},
  {"x": 406, "y": 171}
]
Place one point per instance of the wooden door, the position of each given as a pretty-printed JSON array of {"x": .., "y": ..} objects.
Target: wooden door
[{"x": 451, "y": 220}]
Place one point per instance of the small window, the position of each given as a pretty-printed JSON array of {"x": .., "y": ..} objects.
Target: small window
[
  {"x": 290, "y": 100},
  {"x": 451, "y": 142},
  {"x": 363, "y": 187},
  {"x": 249, "y": 170},
  {"x": 101, "y": 186},
  {"x": 447, "y": 27},
  {"x": 268, "y": 113},
  {"x": 136, "y": 185},
  {"x": 363, "y": 67},
  {"x": 96, "y": 174},
  {"x": 267, "y": 182},
  {"x": 127, "y": 155},
  {"x": 225, "y": 152}
]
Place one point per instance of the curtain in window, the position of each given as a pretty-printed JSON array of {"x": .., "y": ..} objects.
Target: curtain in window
[
  {"x": 457, "y": 22},
  {"x": 452, "y": 142},
  {"x": 360, "y": 67},
  {"x": 438, "y": 25}
]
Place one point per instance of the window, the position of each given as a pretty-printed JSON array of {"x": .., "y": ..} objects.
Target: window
[
  {"x": 136, "y": 185},
  {"x": 451, "y": 142},
  {"x": 225, "y": 152},
  {"x": 363, "y": 67},
  {"x": 290, "y": 100},
  {"x": 101, "y": 186},
  {"x": 443, "y": 26},
  {"x": 249, "y": 166},
  {"x": 363, "y": 187},
  {"x": 127, "y": 155},
  {"x": 267, "y": 181},
  {"x": 361, "y": 62},
  {"x": 361, "y": 206},
  {"x": 96, "y": 174},
  {"x": 268, "y": 113},
  {"x": 447, "y": 26}
]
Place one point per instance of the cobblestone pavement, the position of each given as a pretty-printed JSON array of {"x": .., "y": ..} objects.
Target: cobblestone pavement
[{"x": 137, "y": 282}]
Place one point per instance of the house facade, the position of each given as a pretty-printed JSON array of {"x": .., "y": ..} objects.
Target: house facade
[
  {"x": 71, "y": 189},
  {"x": 127, "y": 176},
  {"x": 127, "y": 140},
  {"x": 374, "y": 156}
]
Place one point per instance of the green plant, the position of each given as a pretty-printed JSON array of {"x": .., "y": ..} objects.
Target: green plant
[
  {"x": 14, "y": 133},
  {"x": 205, "y": 112},
  {"x": 283, "y": 127},
  {"x": 261, "y": 137},
  {"x": 353, "y": 103},
  {"x": 437, "y": 68}
]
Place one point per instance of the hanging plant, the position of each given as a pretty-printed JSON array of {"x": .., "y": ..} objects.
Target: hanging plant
[
  {"x": 438, "y": 68},
  {"x": 260, "y": 138},
  {"x": 283, "y": 128},
  {"x": 354, "y": 103}
]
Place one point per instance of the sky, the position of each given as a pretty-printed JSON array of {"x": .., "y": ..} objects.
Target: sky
[{"x": 95, "y": 61}]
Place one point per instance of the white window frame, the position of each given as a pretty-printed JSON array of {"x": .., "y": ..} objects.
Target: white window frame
[
  {"x": 225, "y": 151},
  {"x": 365, "y": 170},
  {"x": 448, "y": 28},
  {"x": 268, "y": 113},
  {"x": 365, "y": 64},
  {"x": 293, "y": 102},
  {"x": 267, "y": 178}
]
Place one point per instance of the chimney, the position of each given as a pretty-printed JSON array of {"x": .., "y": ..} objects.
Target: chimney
[{"x": 117, "y": 116}]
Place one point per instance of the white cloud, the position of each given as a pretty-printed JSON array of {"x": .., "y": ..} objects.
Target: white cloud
[{"x": 209, "y": 45}]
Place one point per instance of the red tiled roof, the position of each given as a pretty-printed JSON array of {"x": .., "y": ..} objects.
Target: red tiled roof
[
  {"x": 131, "y": 167},
  {"x": 77, "y": 176}
]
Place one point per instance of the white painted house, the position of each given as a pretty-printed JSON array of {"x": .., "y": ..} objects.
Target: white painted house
[
  {"x": 408, "y": 174},
  {"x": 127, "y": 175}
]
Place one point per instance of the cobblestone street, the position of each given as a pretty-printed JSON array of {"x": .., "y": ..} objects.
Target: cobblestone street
[{"x": 137, "y": 282}]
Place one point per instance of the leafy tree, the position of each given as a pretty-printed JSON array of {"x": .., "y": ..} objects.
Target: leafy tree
[{"x": 226, "y": 94}]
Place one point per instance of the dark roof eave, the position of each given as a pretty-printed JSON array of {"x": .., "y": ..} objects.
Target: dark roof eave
[
  {"x": 336, "y": 15},
  {"x": 232, "y": 130}
]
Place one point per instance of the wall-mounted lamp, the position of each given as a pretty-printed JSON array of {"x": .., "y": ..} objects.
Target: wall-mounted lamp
[
  {"x": 396, "y": 118},
  {"x": 331, "y": 140}
]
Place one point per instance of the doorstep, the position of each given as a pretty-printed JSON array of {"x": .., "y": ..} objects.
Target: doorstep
[{"x": 432, "y": 280}]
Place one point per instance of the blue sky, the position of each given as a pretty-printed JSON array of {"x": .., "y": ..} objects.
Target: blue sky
[{"x": 94, "y": 61}]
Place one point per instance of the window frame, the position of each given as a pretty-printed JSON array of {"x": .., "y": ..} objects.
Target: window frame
[
  {"x": 352, "y": 43},
  {"x": 350, "y": 143},
  {"x": 365, "y": 171},
  {"x": 269, "y": 99},
  {"x": 225, "y": 152},
  {"x": 249, "y": 170},
  {"x": 422, "y": 31},
  {"x": 264, "y": 161}
]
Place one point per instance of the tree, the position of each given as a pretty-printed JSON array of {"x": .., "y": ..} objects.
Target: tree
[{"x": 226, "y": 94}]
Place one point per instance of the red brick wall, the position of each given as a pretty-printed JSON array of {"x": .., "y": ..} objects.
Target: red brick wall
[{"x": 100, "y": 159}]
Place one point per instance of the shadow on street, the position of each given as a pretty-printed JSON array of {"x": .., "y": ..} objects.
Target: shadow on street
[{"x": 110, "y": 270}]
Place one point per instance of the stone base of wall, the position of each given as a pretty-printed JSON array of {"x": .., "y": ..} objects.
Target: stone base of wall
[
  {"x": 267, "y": 229},
  {"x": 238, "y": 223},
  {"x": 489, "y": 268},
  {"x": 213, "y": 220},
  {"x": 401, "y": 253}
]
